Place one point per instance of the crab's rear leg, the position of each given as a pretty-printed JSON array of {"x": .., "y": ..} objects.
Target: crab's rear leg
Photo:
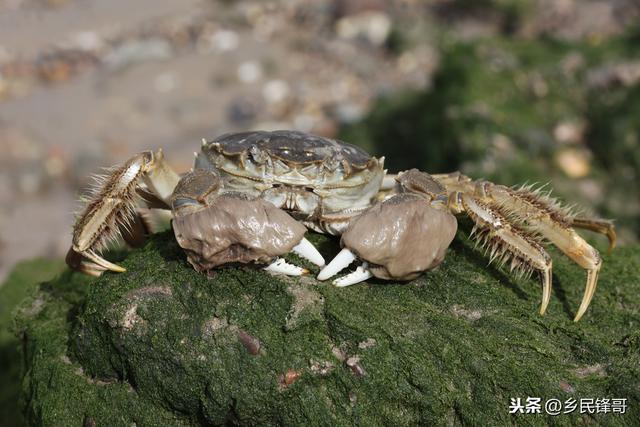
[
  {"x": 600, "y": 226},
  {"x": 506, "y": 242},
  {"x": 541, "y": 215},
  {"x": 112, "y": 209}
]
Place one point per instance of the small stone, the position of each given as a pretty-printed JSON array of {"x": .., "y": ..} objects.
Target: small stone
[
  {"x": 471, "y": 315},
  {"x": 321, "y": 368},
  {"x": 569, "y": 132},
  {"x": 574, "y": 162},
  {"x": 275, "y": 91},
  {"x": 132, "y": 52},
  {"x": 566, "y": 387},
  {"x": 250, "y": 343},
  {"x": 339, "y": 353},
  {"x": 372, "y": 26},
  {"x": 88, "y": 41},
  {"x": 369, "y": 342},
  {"x": 354, "y": 363},
  {"x": 348, "y": 112},
  {"x": 591, "y": 370},
  {"x": 224, "y": 40},
  {"x": 249, "y": 72},
  {"x": 288, "y": 378},
  {"x": 130, "y": 317}
]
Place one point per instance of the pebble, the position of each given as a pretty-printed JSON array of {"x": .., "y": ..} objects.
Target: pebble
[
  {"x": 224, "y": 41},
  {"x": 371, "y": 26},
  {"x": 249, "y": 72},
  {"x": 569, "y": 132},
  {"x": 88, "y": 41},
  {"x": 275, "y": 91},
  {"x": 575, "y": 162},
  {"x": 348, "y": 112},
  {"x": 131, "y": 52}
]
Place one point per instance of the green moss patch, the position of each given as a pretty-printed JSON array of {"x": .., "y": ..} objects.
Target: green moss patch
[{"x": 164, "y": 345}]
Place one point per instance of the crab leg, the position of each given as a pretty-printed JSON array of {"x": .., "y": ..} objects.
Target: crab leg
[
  {"x": 600, "y": 226},
  {"x": 280, "y": 266},
  {"x": 543, "y": 217},
  {"x": 507, "y": 242},
  {"x": 309, "y": 252},
  {"x": 112, "y": 208}
]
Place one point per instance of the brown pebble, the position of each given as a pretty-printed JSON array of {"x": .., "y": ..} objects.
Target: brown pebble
[
  {"x": 566, "y": 387},
  {"x": 288, "y": 378},
  {"x": 251, "y": 344},
  {"x": 354, "y": 363}
]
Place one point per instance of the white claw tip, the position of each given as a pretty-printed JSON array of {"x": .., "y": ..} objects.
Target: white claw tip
[
  {"x": 281, "y": 266},
  {"x": 339, "y": 263},
  {"x": 307, "y": 251},
  {"x": 361, "y": 274}
]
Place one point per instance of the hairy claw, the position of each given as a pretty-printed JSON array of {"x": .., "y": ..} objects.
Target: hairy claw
[
  {"x": 600, "y": 226},
  {"x": 90, "y": 263},
  {"x": 590, "y": 289}
]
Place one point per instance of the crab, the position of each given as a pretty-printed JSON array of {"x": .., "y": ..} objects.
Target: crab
[{"x": 250, "y": 198}]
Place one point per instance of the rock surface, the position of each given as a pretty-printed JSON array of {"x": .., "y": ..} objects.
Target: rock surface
[{"x": 164, "y": 345}]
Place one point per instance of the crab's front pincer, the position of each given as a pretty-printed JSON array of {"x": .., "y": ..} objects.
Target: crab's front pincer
[
  {"x": 216, "y": 228},
  {"x": 399, "y": 238}
]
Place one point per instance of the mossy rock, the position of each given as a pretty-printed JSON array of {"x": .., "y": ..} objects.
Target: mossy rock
[{"x": 164, "y": 345}]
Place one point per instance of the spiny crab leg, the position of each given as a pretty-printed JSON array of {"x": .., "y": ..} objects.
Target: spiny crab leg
[
  {"x": 506, "y": 242},
  {"x": 361, "y": 274},
  {"x": 112, "y": 209},
  {"x": 280, "y": 266},
  {"x": 339, "y": 263},
  {"x": 553, "y": 224},
  {"x": 309, "y": 252},
  {"x": 600, "y": 226}
]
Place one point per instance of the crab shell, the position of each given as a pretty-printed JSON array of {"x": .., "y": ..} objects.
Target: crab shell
[{"x": 306, "y": 175}]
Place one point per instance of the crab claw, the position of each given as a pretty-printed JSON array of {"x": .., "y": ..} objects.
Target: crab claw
[
  {"x": 309, "y": 252},
  {"x": 397, "y": 239},
  {"x": 361, "y": 274},
  {"x": 339, "y": 263},
  {"x": 280, "y": 266}
]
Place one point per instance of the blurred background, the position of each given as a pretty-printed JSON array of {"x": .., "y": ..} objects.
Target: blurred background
[{"x": 512, "y": 91}]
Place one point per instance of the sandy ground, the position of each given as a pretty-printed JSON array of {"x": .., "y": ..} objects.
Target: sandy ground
[{"x": 85, "y": 84}]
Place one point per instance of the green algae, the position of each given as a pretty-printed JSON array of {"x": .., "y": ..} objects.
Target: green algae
[
  {"x": 20, "y": 283},
  {"x": 164, "y": 345},
  {"x": 493, "y": 107}
]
